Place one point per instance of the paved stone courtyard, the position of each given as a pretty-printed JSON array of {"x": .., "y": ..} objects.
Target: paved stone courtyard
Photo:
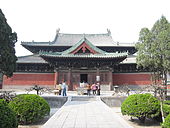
[{"x": 84, "y": 112}]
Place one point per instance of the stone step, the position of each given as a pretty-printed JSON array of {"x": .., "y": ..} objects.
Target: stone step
[{"x": 84, "y": 98}]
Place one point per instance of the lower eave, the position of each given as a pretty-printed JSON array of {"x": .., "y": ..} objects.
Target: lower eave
[{"x": 84, "y": 57}]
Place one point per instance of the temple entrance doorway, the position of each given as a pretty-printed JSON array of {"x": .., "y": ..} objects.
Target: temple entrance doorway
[{"x": 83, "y": 78}]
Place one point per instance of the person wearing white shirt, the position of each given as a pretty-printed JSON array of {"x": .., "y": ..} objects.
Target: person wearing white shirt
[{"x": 64, "y": 88}]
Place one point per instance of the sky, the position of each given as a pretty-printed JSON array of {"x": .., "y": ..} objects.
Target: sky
[{"x": 38, "y": 20}]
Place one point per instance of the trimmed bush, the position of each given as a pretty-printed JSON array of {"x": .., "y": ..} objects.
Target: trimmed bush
[
  {"x": 141, "y": 106},
  {"x": 166, "y": 110},
  {"x": 7, "y": 116},
  {"x": 29, "y": 108},
  {"x": 166, "y": 124}
]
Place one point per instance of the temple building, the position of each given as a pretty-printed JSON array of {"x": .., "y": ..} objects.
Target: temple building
[{"x": 77, "y": 58}]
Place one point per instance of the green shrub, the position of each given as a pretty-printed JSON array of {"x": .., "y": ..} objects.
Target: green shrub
[
  {"x": 141, "y": 106},
  {"x": 167, "y": 102},
  {"x": 166, "y": 110},
  {"x": 7, "y": 116},
  {"x": 166, "y": 124},
  {"x": 29, "y": 108}
]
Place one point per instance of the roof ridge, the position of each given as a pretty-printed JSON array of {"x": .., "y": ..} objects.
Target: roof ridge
[{"x": 84, "y": 34}]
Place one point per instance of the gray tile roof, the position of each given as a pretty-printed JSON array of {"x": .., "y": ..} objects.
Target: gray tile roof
[
  {"x": 65, "y": 39},
  {"x": 62, "y": 39},
  {"x": 95, "y": 39},
  {"x": 30, "y": 59}
]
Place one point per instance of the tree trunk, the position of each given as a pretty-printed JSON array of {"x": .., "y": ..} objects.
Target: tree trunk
[
  {"x": 165, "y": 84},
  {"x": 162, "y": 113}
]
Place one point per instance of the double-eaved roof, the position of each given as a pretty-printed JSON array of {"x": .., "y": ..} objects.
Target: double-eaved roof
[
  {"x": 76, "y": 45},
  {"x": 64, "y": 39}
]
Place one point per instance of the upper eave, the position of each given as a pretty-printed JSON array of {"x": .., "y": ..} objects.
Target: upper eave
[
  {"x": 50, "y": 44},
  {"x": 35, "y": 43}
]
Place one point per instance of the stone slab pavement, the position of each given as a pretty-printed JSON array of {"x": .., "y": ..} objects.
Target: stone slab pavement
[{"x": 87, "y": 113}]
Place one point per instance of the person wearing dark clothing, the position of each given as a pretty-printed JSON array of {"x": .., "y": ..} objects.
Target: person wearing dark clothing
[
  {"x": 98, "y": 88},
  {"x": 60, "y": 88}
]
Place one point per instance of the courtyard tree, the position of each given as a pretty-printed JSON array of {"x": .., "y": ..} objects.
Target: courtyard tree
[
  {"x": 7, "y": 47},
  {"x": 154, "y": 51}
]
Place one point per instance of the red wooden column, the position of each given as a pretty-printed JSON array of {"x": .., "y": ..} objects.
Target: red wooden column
[
  {"x": 56, "y": 75},
  {"x": 110, "y": 77},
  {"x": 1, "y": 80},
  {"x": 69, "y": 80}
]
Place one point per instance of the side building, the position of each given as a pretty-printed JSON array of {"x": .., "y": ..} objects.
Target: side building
[{"x": 77, "y": 58}]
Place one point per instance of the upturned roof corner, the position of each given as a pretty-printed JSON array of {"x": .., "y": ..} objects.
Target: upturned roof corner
[{"x": 56, "y": 36}]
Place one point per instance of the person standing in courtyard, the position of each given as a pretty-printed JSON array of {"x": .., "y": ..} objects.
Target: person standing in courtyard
[
  {"x": 88, "y": 89},
  {"x": 93, "y": 87},
  {"x": 59, "y": 88},
  {"x": 64, "y": 89},
  {"x": 98, "y": 88}
]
